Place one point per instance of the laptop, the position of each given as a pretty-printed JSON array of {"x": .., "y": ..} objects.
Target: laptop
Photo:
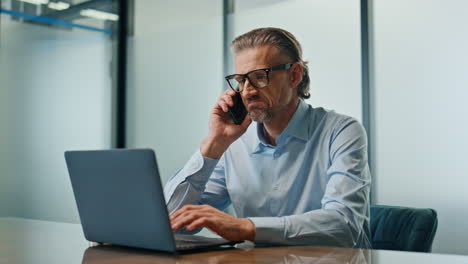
[{"x": 121, "y": 202}]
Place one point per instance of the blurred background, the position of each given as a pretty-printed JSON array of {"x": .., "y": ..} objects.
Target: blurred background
[{"x": 101, "y": 74}]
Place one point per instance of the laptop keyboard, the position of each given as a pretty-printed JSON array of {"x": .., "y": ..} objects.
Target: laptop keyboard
[{"x": 193, "y": 241}]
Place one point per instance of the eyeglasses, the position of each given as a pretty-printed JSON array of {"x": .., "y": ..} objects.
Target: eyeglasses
[{"x": 258, "y": 78}]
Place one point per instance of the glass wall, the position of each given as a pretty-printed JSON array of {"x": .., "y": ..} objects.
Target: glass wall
[
  {"x": 56, "y": 86},
  {"x": 175, "y": 75},
  {"x": 419, "y": 112}
]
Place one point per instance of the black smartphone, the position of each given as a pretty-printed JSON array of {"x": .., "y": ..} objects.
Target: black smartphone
[{"x": 238, "y": 111}]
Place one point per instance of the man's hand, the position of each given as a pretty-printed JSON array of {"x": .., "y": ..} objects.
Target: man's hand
[
  {"x": 223, "y": 131},
  {"x": 197, "y": 216}
]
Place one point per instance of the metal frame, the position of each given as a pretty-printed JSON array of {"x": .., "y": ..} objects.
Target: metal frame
[
  {"x": 366, "y": 77},
  {"x": 120, "y": 105}
]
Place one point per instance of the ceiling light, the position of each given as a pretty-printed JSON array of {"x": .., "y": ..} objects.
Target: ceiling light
[
  {"x": 36, "y": 2},
  {"x": 58, "y": 5},
  {"x": 99, "y": 14}
]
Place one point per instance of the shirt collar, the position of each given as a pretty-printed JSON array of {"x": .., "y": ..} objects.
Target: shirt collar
[
  {"x": 297, "y": 127},
  {"x": 260, "y": 139}
]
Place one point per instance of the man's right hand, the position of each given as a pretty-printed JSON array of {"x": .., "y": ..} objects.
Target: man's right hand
[{"x": 223, "y": 132}]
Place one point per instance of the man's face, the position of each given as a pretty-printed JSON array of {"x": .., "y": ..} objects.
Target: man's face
[{"x": 265, "y": 103}]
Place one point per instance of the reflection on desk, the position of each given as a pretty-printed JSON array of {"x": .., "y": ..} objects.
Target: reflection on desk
[
  {"x": 33, "y": 241},
  {"x": 299, "y": 254}
]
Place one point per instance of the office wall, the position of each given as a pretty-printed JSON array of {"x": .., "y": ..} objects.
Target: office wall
[
  {"x": 329, "y": 32},
  {"x": 419, "y": 112},
  {"x": 57, "y": 85},
  {"x": 175, "y": 75},
  {"x": 4, "y": 180}
]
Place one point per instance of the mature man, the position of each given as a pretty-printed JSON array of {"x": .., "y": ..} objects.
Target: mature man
[{"x": 297, "y": 175}]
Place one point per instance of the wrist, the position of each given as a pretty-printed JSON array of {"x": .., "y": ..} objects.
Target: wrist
[
  {"x": 249, "y": 230},
  {"x": 213, "y": 148}
]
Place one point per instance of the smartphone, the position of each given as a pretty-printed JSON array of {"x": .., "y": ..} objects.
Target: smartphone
[{"x": 238, "y": 111}]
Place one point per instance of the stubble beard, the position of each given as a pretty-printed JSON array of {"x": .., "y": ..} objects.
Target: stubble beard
[{"x": 260, "y": 114}]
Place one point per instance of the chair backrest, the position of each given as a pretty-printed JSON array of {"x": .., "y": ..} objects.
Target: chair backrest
[{"x": 402, "y": 228}]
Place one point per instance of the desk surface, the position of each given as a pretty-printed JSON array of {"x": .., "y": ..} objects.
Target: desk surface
[{"x": 33, "y": 241}]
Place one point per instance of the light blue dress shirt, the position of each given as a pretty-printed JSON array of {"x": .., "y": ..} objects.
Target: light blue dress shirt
[{"x": 312, "y": 188}]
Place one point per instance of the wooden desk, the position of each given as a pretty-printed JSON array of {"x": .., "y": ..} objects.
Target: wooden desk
[{"x": 33, "y": 241}]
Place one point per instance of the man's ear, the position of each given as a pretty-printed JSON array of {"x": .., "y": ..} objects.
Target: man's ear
[{"x": 296, "y": 74}]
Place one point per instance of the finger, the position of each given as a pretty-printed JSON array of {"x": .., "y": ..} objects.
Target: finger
[
  {"x": 178, "y": 212},
  {"x": 223, "y": 105},
  {"x": 230, "y": 92},
  {"x": 220, "y": 104},
  {"x": 210, "y": 215},
  {"x": 189, "y": 211},
  {"x": 184, "y": 209},
  {"x": 228, "y": 99},
  {"x": 191, "y": 207},
  {"x": 217, "y": 109},
  {"x": 185, "y": 219},
  {"x": 205, "y": 221},
  {"x": 207, "y": 208},
  {"x": 211, "y": 223}
]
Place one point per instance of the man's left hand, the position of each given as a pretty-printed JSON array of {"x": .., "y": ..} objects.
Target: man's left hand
[{"x": 197, "y": 216}]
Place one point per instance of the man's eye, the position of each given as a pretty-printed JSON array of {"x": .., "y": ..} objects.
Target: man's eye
[{"x": 259, "y": 76}]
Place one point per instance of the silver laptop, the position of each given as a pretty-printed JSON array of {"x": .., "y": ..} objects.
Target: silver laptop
[{"x": 120, "y": 201}]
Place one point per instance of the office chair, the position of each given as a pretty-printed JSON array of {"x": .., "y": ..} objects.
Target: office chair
[{"x": 402, "y": 228}]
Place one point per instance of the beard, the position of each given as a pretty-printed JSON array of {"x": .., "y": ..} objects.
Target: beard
[{"x": 260, "y": 114}]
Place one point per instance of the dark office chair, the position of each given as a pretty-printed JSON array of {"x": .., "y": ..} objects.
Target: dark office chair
[{"x": 402, "y": 228}]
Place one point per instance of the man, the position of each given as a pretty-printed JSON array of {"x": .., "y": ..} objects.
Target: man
[{"x": 297, "y": 175}]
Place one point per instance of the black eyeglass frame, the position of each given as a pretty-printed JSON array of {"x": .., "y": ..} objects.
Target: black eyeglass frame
[{"x": 267, "y": 70}]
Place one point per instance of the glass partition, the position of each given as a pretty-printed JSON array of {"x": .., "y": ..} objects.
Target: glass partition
[
  {"x": 418, "y": 111},
  {"x": 175, "y": 75},
  {"x": 56, "y": 86}
]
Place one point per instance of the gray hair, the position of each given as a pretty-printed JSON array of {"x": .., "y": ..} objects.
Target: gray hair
[{"x": 281, "y": 39}]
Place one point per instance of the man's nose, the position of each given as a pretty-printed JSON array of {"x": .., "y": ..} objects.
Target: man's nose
[
  {"x": 248, "y": 86},
  {"x": 248, "y": 91}
]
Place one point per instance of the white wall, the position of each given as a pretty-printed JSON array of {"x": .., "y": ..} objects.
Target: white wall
[
  {"x": 175, "y": 76},
  {"x": 329, "y": 32},
  {"x": 419, "y": 113},
  {"x": 57, "y": 84}
]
